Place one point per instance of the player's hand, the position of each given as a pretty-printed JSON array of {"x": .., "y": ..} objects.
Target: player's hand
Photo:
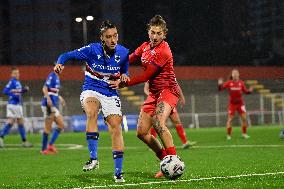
[
  {"x": 62, "y": 101},
  {"x": 182, "y": 102},
  {"x": 220, "y": 81},
  {"x": 25, "y": 89},
  {"x": 114, "y": 84},
  {"x": 124, "y": 78},
  {"x": 49, "y": 102},
  {"x": 58, "y": 68},
  {"x": 251, "y": 89}
]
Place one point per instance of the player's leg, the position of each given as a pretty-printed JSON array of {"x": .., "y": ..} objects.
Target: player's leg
[
  {"x": 91, "y": 107},
  {"x": 143, "y": 127},
  {"x": 145, "y": 122},
  {"x": 161, "y": 114},
  {"x": 5, "y": 131},
  {"x": 111, "y": 108},
  {"x": 229, "y": 126},
  {"x": 281, "y": 135},
  {"x": 231, "y": 112},
  {"x": 114, "y": 125},
  {"x": 56, "y": 132},
  {"x": 174, "y": 116},
  {"x": 243, "y": 114},
  {"x": 48, "y": 120},
  {"x": 153, "y": 132},
  {"x": 22, "y": 132},
  {"x": 6, "y": 128}
]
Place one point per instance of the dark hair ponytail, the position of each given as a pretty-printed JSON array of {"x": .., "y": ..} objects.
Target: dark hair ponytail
[
  {"x": 106, "y": 24},
  {"x": 158, "y": 20}
]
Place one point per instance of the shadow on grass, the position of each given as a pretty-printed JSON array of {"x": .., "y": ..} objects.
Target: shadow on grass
[{"x": 107, "y": 178}]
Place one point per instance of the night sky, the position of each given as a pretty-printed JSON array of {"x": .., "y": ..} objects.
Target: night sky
[{"x": 201, "y": 32}]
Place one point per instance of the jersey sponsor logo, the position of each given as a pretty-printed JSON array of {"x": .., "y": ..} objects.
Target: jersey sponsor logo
[
  {"x": 235, "y": 88},
  {"x": 117, "y": 58},
  {"x": 109, "y": 68}
]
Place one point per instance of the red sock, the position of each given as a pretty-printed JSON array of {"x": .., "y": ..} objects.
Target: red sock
[
  {"x": 171, "y": 151},
  {"x": 161, "y": 154},
  {"x": 181, "y": 133},
  {"x": 244, "y": 129},
  {"x": 153, "y": 132},
  {"x": 229, "y": 131}
]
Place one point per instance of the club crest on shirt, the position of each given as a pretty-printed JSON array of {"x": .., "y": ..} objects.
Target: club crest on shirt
[
  {"x": 99, "y": 56},
  {"x": 117, "y": 58}
]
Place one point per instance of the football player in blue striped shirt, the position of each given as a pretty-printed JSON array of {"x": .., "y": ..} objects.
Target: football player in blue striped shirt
[
  {"x": 14, "y": 91},
  {"x": 105, "y": 61}
]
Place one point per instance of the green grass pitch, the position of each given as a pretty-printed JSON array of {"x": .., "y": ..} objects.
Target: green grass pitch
[{"x": 212, "y": 156}]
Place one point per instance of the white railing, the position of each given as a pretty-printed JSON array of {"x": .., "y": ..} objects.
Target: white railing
[{"x": 261, "y": 111}]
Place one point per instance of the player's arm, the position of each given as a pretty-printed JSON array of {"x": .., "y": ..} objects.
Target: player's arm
[
  {"x": 136, "y": 55},
  {"x": 78, "y": 54},
  {"x": 133, "y": 58},
  {"x": 62, "y": 100},
  {"x": 8, "y": 90},
  {"x": 151, "y": 70},
  {"x": 124, "y": 70},
  {"x": 222, "y": 85},
  {"x": 146, "y": 88},
  {"x": 182, "y": 98},
  {"x": 25, "y": 89},
  {"x": 245, "y": 90},
  {"x": 45, "y": 93},
  {"x": 45, "y": 88}
]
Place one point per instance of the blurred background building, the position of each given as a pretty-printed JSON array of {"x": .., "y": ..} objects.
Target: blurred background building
[
  {"x": 208, "y": 32},
  {"x": 208, "y": 38}
]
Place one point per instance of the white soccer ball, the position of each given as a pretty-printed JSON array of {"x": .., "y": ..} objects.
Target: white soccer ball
[{"x": 172, "y": 167}]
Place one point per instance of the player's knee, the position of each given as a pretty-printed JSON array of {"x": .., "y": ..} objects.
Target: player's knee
[
  {"x": 90, "y": 113},
  {"x": 158, "y": 121},
  {"x": 116, "y": 128},
  {"x": 60, "y": 126},
  {"x": 140, "y": 134},
  {"x": 47, "y": 130},
  {"x": 176, "y": 123}
]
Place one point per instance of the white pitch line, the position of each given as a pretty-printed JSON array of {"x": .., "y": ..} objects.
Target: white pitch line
[{"x": 189, "y": 180}]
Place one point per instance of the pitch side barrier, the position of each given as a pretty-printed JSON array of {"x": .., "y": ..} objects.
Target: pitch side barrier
[{"x": 77, "y": 123}]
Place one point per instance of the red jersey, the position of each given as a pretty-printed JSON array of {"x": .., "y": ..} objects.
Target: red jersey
[
  {"x": 236, "y": 90},
  {"x": 161, "y": 57}
]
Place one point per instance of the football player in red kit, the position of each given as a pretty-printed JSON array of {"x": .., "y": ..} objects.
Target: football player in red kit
[
  {"x": 175, "y": 119},
  {"x": 157, "y": 60},
  {"x": 236, "y": 88}
]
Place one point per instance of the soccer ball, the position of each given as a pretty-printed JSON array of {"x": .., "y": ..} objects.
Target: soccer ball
[{"x": 172, "y": 167}]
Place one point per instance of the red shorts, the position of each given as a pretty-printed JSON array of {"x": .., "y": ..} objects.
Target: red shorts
[
  {"x": 152, "y": 100},
  {"x": 232, "y": 108}
]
